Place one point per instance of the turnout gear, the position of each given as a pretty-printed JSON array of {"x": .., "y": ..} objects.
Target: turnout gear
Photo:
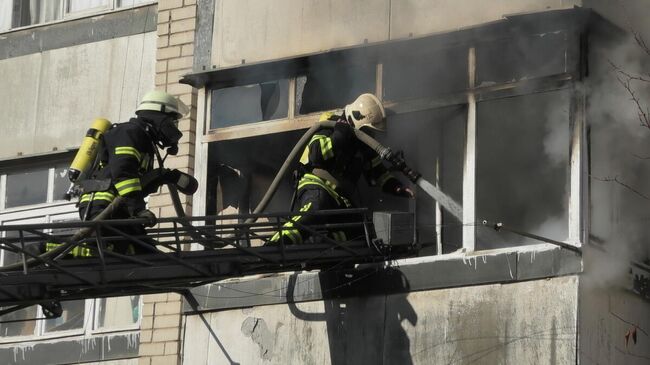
[
  {"x": 366, "y": 111},
  {"x": 331, "y": 164},
  {"x": 125, "y": 159}
]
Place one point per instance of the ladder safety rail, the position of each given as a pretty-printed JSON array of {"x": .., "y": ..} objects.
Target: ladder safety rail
[{"x": 227, "y": 245}]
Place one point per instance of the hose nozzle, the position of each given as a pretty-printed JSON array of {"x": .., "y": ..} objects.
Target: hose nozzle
[{"x": 397, "y": 159}]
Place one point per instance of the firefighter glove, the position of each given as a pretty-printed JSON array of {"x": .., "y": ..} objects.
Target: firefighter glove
[
  {"x": 147, "y": 215},
  {"x": 185, "y": 183}
]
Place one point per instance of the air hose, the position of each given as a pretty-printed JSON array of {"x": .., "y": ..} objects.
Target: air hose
[{"x": 385, "y": 153}]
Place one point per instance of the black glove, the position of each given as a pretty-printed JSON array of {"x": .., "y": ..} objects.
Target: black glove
[
  {"x": 149, "y": 216},
  {"x": 185, "y": 183}
]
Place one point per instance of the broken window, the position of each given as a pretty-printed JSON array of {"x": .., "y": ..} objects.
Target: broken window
[
  {"x": 329, "y": 85},
  {"x": 523, "y": 57},
  {"x": 25, "y": 188},
  {"x": 421, "y": 73},
  {"x": 240, "y": 171},
  {"x": 248, "y": 104},
  {"x": 522, "y": 164}
]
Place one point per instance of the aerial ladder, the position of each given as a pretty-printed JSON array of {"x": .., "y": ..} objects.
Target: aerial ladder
[{"x": 184, "y": 252}]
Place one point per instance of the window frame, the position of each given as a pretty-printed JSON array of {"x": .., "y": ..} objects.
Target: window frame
[
  {"x": 578, "y": 187},
  {"x": 49, "y": 201},
  {"x": 45, "y": 213},
  {"x": 66, "y": 15}
]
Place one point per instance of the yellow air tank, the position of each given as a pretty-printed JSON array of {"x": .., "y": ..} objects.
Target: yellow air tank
[{"x": 88, "y": 150}]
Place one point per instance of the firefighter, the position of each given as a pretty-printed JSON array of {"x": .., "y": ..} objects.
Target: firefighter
[
  {"x": 126, "y": 154},
  {"x": 330, "y": 167}
]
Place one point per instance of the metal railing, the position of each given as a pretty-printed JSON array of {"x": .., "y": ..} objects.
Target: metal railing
[{"x": 179, "y": 253}]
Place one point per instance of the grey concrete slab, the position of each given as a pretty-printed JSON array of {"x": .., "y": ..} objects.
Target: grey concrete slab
[
  {"x": 528, "y": 322},
  {"x": 403, "y": 276},
  {"x": 78, "y": 31},
  {"x": 418, "y": 17},
  {"x": 73, "y": 350}
]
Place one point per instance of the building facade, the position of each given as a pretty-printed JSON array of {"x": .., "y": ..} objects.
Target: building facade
[{"x": 512, "y": 108}]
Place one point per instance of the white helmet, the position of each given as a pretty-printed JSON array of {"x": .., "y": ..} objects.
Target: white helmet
[
  {"x": 161, "y": 101},
  {"x": 366, "y": 111}
]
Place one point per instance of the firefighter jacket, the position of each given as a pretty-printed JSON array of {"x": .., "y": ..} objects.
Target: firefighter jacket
[
  {"x": 126, "y": 154},
  {"x": 338, "y": 158}
]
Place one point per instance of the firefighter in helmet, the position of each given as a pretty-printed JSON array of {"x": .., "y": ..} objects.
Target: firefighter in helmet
[
  {"x": 331, "y": 165},
  {"x": 126, "y": 154}
]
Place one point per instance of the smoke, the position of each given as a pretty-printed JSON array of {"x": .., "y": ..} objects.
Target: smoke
[{"x": 619, "y": 215}]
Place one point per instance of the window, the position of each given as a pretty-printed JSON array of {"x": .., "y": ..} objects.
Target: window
[
  {"x": 331, "y": 85},
  {"x": 110, "y": 314},
  {"x": 26, "y": 328},
  {"x": 34, "y": 186},
  {"x": 22, "y": 13},
  {"x": 29, "y": 12},
  {"x": 26, "y": 188},
  {"x": 5, "y": 14},
  {"x": 85, "y": 5},
  {"x": 128, "y": 3},
  {"x": 249, "y": 104},
  {"x": 522, "y": 162},
  {"x": 498, "y": 144},
  {"x": 117, "y": 312},
  {"x": 432, "y": 142}
]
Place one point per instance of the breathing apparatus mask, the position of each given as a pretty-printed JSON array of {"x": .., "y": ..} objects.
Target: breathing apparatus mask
[
  {"x": 167, "y": 134},
  {"x": 165, "y": 122}
]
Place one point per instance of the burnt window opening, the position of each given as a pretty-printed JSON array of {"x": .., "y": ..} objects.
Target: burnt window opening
[
  {"x": 332, "y": 85},
  {"x": 249, "y": 104},
  {"x": 522, "y": 167},
  {"x": 421, "y": 73},
  {"x": 433, "y": 145},
  {"x": 241, "y": 170},
  {"x": 523, "y": 57}
]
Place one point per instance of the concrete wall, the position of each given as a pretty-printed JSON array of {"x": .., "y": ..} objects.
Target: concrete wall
[
  {"x": 50, "y": 98},
  {"x": 521, "y": 323},
  {"x": 259, "y": 30},
  {"x": 609, "y": 317}
]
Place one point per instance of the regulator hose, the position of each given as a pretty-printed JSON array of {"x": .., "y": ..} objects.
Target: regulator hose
[{"x": 385, "y": 153}]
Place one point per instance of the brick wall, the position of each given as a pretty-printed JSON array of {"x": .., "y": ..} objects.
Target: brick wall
[{"x": 160, "y": 338}]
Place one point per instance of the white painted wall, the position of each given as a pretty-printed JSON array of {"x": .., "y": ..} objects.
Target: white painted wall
[{"x": 49, "y": 99}]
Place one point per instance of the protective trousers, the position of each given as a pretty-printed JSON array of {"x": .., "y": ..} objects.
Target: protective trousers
[
  {"x": 314, "y": 198},
  {"x": 114, "y": 242}
]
